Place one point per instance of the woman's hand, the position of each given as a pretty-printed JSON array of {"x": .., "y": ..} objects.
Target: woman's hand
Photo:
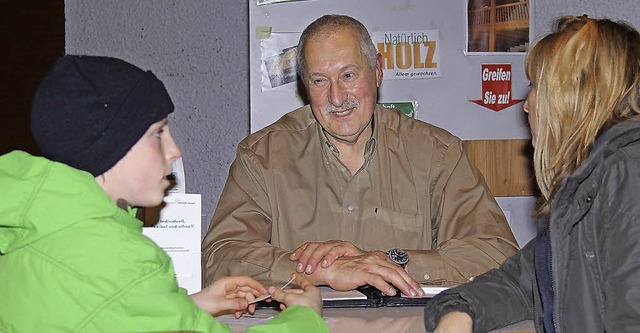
[
  {"x": 308, "y": 296},
  {"x": 229, "y": 295},
  {"x": 455, "y": 322}
]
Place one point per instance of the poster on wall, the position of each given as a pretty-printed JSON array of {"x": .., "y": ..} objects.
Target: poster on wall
[
  {"x": 496, "y": 87},
  {"x": 498, "y": 26},
  {"x": 408, "y": 55}
]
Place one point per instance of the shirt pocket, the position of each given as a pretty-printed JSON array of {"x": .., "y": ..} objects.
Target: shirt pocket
[
  {"x": 399, "y": 220},
  {"x": 397, "y": 229}
]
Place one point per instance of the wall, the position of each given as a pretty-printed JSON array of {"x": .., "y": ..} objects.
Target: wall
[
  {"x": 199, "y": 48},
  {"x": 547, "y": 10}
]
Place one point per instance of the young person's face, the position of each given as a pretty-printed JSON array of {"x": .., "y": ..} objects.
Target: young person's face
[
  {"x": 140, "y": 177},
  {"x": 342, "y": 87},
  {"x": 530, "y": 108}
]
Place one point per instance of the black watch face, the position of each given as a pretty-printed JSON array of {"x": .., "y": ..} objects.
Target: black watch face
[{"x": 398, "y": 256}]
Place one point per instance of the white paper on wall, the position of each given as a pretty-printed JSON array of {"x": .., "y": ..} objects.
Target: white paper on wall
[
  {"x": 178, "y": 234},
  {"x": 178, "y": 181}
]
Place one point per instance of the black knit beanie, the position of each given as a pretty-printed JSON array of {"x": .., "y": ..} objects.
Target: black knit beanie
[{"x": 89, "y": 111}]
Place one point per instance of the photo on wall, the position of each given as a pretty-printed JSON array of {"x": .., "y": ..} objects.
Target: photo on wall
[
  {"x": 281, "y": 68},
  {"x": 278, "y": 52},
  {"x": 498, "y": 26}
]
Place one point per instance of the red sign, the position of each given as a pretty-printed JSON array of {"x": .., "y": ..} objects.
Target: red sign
[{"x": 496, "y": 87}]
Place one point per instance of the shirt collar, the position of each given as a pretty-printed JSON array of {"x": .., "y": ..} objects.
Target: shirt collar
[{"x": 369, "y": 148}]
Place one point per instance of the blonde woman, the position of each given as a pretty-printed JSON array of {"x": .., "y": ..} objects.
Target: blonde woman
[{"x": 582, "y": 272}]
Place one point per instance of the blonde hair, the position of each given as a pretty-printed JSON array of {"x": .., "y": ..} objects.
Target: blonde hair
[{"x": 586, "y": 76}]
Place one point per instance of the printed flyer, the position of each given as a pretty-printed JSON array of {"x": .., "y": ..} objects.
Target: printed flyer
[{"x": 178, "y": 234}]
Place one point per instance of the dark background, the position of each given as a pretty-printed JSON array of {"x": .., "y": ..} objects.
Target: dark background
[{"x": 32, "y": 38}]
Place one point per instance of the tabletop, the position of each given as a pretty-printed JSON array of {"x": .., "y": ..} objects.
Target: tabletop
[{"x": 366, "y": 320}]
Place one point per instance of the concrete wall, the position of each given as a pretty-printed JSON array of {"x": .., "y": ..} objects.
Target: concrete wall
[{"x": 199, "y": 48}]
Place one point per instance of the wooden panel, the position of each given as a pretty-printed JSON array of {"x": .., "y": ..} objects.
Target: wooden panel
[{"x": 505, "y": 164}]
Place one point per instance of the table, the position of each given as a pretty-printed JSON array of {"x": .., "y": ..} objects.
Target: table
[{"x": 366, "y": 320}]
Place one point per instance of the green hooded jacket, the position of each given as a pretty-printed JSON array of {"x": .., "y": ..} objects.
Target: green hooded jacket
[{"x": 72, "y": 261}]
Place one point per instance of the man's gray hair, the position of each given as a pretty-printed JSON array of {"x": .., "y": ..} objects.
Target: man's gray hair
[{"x": 327, "y": 25}]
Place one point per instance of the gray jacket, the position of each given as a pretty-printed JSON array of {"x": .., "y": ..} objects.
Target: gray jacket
[{"x": 595, "y": 242}]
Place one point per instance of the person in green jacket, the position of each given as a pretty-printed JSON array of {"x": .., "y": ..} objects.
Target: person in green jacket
[{"x": 72, "y": 254}]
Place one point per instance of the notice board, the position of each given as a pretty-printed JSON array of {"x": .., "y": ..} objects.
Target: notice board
[{"x": 436, "y": 55}]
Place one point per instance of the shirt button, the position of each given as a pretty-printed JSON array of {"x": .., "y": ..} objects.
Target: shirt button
[
  {"x": 350, "y": 208},
  {"x": 343, "y": 169},
  {"x": 426, "y": 276},
  {"x": 471, "y": 278}
]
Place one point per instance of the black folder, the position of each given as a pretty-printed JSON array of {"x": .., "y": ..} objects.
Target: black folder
[{"x": 364, "y": 297}]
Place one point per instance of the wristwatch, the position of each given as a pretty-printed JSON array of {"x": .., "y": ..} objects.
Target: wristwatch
[{"x": 399, "y": 256}]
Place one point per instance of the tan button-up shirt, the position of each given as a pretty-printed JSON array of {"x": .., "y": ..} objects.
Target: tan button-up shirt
[{"x": 416, "y": 191}]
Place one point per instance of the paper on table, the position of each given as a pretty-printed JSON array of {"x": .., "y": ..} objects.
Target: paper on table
[
  {"x": 327, "y": 293},
  {"x": 430, "y": 291},
  {"x": 335, "y": 295}
]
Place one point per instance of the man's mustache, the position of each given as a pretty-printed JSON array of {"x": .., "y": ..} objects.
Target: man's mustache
[{"x": 348, "y": 104}]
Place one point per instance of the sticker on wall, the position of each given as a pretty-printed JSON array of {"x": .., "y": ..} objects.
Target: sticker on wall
[
  {"x": 408, "y": 108},
  {"x": 496, "y": 87},
  {"x": 408, "y": 55}
]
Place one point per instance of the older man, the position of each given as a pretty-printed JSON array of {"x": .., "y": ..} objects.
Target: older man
[{"x": 352, "y": 193}]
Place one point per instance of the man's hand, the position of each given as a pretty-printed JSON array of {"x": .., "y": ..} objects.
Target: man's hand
[
  {"x": 310, "y": 254},
  {"x": 372, "y": 268},
  {"x": 229, "y": 295},
  {"x": 354, "y": 268}
]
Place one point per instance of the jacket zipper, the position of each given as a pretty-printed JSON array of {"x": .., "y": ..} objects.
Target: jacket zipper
[{"x": 553, "y": 289}]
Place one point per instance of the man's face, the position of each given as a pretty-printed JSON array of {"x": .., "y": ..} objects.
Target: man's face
[{"x": 341, "y": 85}]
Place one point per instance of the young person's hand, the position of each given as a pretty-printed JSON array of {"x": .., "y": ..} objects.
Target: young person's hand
[
  {"x": 455, "y": 322},
  {"x": 229, "y": 295},
  {"x": 308, "y": 296}
]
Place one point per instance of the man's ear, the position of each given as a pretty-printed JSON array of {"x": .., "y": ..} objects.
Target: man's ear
[{"x": 379, "y": 70}]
